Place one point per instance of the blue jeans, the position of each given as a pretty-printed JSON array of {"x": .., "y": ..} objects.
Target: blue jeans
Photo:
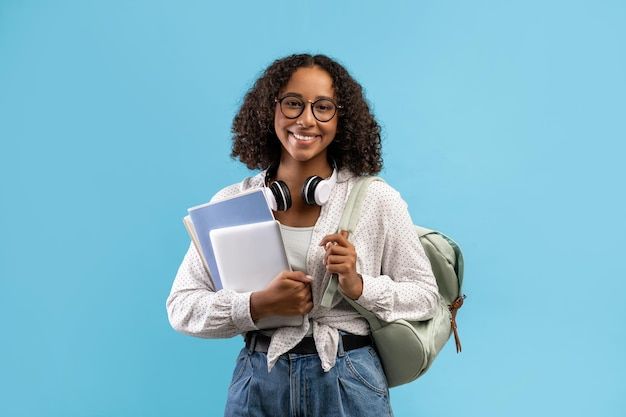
[{"x": 299, "y": 387}]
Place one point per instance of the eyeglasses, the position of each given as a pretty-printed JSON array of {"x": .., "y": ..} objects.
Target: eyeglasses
[{"x": 292, "y": 106}]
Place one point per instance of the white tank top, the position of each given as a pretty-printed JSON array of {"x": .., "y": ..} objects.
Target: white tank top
[{"x": 297, "y": 240}]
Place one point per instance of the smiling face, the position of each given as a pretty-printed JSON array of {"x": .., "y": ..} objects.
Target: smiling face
[{"x": 305, "y": 139}]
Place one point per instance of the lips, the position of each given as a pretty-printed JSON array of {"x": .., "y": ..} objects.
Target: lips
[{"x": 303, "y": 138}]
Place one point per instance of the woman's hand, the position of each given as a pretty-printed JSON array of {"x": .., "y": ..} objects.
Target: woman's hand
[
  {"x": 289, "y": 294},
  {"x": 340, "y": 258}
]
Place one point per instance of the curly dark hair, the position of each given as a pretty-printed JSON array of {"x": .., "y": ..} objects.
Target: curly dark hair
[{"x": 357, "y": 143}]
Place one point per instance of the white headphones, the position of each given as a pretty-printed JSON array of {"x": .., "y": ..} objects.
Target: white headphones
[{"x": 315, "y": 191}]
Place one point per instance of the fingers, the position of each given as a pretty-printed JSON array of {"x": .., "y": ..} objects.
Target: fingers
[
  {"x": 299, "y": 276},
  {"x": 337, "y": 244},
  {"x": 340, "y": 259},
  {"x": 294, "y": 277},
  {"x": 336, "y": 254},
  {"x": 340, "y": 238},
  {"x": 340, "y": 256},
  {"x": 289, "y": 294},
  {"x": 307, "y": 303},
  {"x": 335, "y": 260},
  {"x": 301, "y": 302},
  {"x": 306, "y": 309},
  {"x": 342, "y": 268},
  {"x": 336, "y": 250}
]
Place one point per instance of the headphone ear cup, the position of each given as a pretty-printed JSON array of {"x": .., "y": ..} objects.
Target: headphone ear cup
[
  {"x": 281, "y": 194},
  {"x": 308, "y": 190}
]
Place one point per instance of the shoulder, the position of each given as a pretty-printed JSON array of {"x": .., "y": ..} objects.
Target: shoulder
[
  {"x": 255, "y": 181},
  {"x": 379, "y": 193},
  {"x": 381, "y": 190},
  {"x": 383, "y": 209},
  {"x": 382, "y": 195},
  {"x": 380, "y": 199}
]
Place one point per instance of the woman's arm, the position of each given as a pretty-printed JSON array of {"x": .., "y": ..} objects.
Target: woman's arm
[
  {"x": 394, "y": 279},
  {"x": 195, "y": 309},
  {"x": 406, "y": 287}
]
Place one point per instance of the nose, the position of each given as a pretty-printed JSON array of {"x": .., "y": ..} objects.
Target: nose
[{"x": 306, "y": 119}]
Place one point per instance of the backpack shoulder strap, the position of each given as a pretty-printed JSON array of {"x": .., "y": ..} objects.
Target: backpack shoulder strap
[
  {"x": 352, "y": 210},
  {"x": 349, "y": 220}
]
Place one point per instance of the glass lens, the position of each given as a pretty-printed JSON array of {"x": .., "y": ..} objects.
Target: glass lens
[
  {"x": 291, "y": 106},
  {"x": 324, "y": 110}
]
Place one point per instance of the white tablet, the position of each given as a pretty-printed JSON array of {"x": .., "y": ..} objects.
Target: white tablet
[{"x": 248, "y": 257}]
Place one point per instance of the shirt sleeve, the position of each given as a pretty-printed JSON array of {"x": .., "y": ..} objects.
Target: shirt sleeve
[
  {"x": 194, "y": 308},
  {"x": 406, "y": 287}
]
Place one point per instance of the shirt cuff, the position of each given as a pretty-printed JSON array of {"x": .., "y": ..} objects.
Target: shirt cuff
[
  {"x": 377, "y": 295},
  {"x": 241, "y": 312}
]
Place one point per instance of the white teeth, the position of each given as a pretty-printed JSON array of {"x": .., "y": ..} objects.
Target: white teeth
[{"x": 302, "y": 137}]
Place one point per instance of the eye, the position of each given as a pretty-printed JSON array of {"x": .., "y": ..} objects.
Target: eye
[
  {"x": 292, "y": 103},
  {"x": 324, "y": 106}
]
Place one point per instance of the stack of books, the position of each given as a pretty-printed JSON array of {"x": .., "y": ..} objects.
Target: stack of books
[{"x": 241, "y": 245}]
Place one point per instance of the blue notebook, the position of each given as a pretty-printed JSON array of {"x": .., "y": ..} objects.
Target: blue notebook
[{"x": 245, "y": 208}]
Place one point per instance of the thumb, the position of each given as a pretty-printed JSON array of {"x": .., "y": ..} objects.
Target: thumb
[{"x": 306, "y": 279}]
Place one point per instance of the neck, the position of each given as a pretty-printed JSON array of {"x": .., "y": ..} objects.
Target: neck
[{"x": 292, "y": 171}]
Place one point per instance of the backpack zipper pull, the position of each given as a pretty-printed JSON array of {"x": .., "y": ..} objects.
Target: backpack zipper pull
[{"x": 454, "y": 307}]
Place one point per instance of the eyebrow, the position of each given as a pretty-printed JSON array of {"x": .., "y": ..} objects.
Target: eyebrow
[{"x": 292, "y": 94}]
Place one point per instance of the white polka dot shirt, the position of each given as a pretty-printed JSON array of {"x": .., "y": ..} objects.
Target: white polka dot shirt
[{"x": 398, "y": 282}]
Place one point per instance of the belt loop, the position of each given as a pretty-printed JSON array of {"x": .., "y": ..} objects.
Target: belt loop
[
  {"x": 340, "y": 351},
  {"x": 251, "y": 336}
]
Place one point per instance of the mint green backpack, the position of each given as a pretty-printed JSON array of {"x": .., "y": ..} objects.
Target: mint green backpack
[{"x": 408, "y": 348}]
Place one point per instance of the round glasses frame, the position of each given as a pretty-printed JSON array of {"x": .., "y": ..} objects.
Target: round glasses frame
[{"x": 311, "y": 103}]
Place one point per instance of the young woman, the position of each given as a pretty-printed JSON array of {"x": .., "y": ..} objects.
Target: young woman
[{"x": 307, "y": 117}]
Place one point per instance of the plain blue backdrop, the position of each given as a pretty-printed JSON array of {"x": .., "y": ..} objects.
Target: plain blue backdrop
[{"x": 504, "y": 126}]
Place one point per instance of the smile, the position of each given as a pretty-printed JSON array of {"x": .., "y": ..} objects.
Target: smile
[{"x": 303, "y": 138}]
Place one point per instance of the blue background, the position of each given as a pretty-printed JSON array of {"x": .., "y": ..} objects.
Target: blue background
[{"x": 504, "y": 126}]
